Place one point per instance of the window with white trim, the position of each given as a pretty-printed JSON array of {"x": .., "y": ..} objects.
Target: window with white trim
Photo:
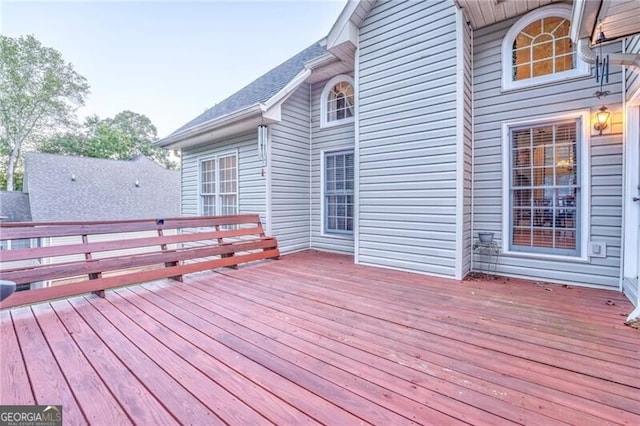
[
  {"x": 545, "y": 188},
  {"x": 338, "y": 192},
  {"x": 219, "y": 185},
  {"x": 337, "y": 102},
  {"x": 538, "y": 49}
]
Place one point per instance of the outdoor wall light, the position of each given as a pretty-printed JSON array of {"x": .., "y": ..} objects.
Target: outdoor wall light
[{"x": 602, "y": 116}]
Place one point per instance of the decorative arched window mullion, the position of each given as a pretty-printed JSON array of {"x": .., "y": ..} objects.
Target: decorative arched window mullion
[
  {"x": 538, "y": 50},
  {"x": 337, "y": 101}
]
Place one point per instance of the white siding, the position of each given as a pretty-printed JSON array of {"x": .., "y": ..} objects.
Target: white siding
[
  {"x": 290, "y": 173},
  {"x": 326, "y": 139},
  {"x": 408, "y": 137},
  {"x": 252, "y": 184},
  {"x": 468, "y": 151},
  {"x": 493, "y": 107},
  {"x": 633, "y": 74}
]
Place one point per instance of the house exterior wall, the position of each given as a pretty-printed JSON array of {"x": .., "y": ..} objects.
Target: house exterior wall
[
  {"x": 492, "y": 107},
  {"x": 289, "y": 169},
  {"x": 467, "y": 133},
  {"x": 327, "y": 139},
  {"x": 251, "y": 183},
  {"x": 633, "y": 74},
  {"x": 407, "y": 137}
]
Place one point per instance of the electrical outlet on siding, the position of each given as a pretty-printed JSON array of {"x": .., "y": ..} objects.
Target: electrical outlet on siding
[{"x": 597, "y": 249}]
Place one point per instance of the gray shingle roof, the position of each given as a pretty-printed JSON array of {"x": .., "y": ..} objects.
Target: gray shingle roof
[
  {"x": 102, "y": 189},
  {"x": 14, "y": 206},
  {"x": 261, "y": 89}
]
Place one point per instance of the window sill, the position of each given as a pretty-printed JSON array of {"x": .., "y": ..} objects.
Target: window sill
[
  {"x": 337, "y": 123},
  {"x": 338, "y": 235},
  {"x": 542, "y": 256},
  {"x": 544, "y": 81}
]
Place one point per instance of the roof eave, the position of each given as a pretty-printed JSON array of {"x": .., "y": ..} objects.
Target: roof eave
[
  {"x": 268, "y": 111},
  {"x": 345, "y": 29},
  {"x": 173, "y": 140}
]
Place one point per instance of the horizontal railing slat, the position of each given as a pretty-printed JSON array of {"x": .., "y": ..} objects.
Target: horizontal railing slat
[
  {"x": 207, "y": 247},
  {"x": 15, "y": 231},
  {"x": 113, "y": 245},
  {"x": 93, "y": 266},
  {"x": 48, "y": 293}
]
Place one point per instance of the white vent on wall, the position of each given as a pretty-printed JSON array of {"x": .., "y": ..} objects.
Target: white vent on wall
[{"x": 596, "y": 249}]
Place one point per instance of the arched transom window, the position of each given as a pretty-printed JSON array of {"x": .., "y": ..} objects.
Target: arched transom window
[
  {"x": 338, "y": 101},
  {"x": 538, "y": 49},
  {"x": 542, "y": 47}
]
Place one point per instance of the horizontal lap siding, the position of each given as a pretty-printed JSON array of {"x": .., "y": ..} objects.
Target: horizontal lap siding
[
  {"x": 493, "y": 107},
  {"x": 633, "y": 74},
  {"x": 407, "y": 146},
  {"x": 336, "y": 138},
  {"x": 251, "y": 191},
  {"x": 290, "y": 173},
  {"x": 468, "y": 152}
]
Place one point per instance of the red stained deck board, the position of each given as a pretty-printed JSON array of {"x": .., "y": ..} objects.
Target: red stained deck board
[
  {"x": 286, "y": 365},
  {"x": 15, "y": 388},
  {"x": 261, "y": 400},
  {"x": 49, "y": 385},
  {"x": 377, "y": 389},
  {"x": 464, "y": 353},
  {"x": 93, "y": 396},
  {"x": 420, "y": 358},
  {"x": 356, "y": 362},
  {"x": 313, "y": 338},
  {"x": 133, "y": 396},
  {"x": 178, "y": 400},
  {"x": 314, "y": 406}
]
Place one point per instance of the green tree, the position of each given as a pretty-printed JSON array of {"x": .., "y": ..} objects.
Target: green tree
[
  {"x": 39, "y": 93},
  {"x": 126, "y": 135}
]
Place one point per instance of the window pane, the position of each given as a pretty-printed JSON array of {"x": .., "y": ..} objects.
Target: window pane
[
  {"x": 338, "y": 186},
  {"x": 340, "y": 102},
  {"x": 544, "y": 189},
  {"x": 541, "y": 48}
]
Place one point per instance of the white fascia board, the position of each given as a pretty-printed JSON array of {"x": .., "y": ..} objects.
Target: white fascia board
[
  {"x": 320, "y": 61},
  {"x": 287, "y": 90},
  {"x": 343, "y": 20},
  {"x": 583, "y": 18},
  {"x": 181, "y": 138}
]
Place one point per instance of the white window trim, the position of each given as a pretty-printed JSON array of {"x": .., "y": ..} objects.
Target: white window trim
[
  {"x": 581, "y": 67},
  {"x": 217, "y": 193},
  {"x": 325, "y": 95},
  {"x": 344, "y": 235},
  {"x": 585, "y": 183}
]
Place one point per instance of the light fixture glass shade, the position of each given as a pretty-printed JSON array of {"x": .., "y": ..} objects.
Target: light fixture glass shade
[{"x": 602, "y": 116}]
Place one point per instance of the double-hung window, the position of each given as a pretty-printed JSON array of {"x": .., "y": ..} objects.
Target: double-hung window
[
  {"x": 338, "y": 192},
  {"x": 544, "y": 188},
  {"x": 219, "y": 185}
]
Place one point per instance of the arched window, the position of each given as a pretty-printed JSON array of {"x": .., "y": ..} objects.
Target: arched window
[
  {"x": 538, "y": 49},
  {"x": 337, "y": 104}
]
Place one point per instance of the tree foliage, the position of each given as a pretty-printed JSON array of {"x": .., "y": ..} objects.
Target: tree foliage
[
  {"x": 125, "y": 136},
  {"x": 39, "y": 94}
]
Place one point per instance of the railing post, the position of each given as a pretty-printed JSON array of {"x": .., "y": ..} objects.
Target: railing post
[
  {"x": 163, "y": 247},
  {"x": 94, "y": 275}
]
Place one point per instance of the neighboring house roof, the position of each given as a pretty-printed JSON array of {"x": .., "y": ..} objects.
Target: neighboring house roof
[
  {"x": 66, "y": 188},
  {"x": 259, "y": 91},
  {"x": 14, "y": 207}
]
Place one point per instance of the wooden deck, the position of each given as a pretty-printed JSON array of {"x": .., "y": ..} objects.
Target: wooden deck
[{"x": 312, "y": 338}]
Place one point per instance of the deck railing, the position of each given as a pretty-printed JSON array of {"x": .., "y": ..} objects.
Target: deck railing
[{"x": 69, "y": 258}]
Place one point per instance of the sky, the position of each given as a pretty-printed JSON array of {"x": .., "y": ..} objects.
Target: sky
[{"x": 169, "y": 60}]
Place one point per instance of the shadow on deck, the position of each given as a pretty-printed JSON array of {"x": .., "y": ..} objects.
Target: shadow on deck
[{"x": 313, "y": 338}]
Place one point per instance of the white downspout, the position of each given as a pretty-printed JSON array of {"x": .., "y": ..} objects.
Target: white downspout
[{"x": 588, "y": 55}]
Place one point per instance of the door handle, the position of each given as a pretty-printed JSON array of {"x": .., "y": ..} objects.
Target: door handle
[{"x": 636, "y": 198}]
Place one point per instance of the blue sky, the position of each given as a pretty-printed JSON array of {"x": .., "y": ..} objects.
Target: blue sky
[{"x": 169, "y": 60}]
